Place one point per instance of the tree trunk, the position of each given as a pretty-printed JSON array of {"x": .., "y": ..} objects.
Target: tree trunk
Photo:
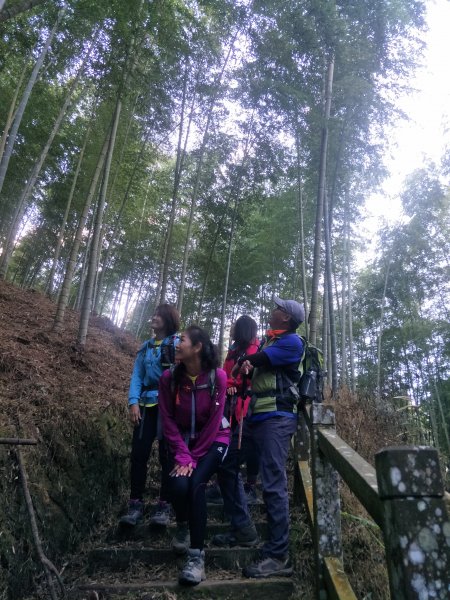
[
  {"x": 11, "y": 115},
  {"x": 326, "y": 333},
  {"x": 302, "y": 233},
  {"x": 59, "y": 241},
  {"x": 227, "y": 277},
  {"x": 319, "y": 207},
  {"x": 208, "y": 266},
  {"x": 83, "y": 270},
  {"x": 176, "y": 185},
  {"x": 67, "y": 283},
  {"x": 113, "y": 237},
  {"x": 235, "y": 193},
  {"x": 24, "y": 101},
  {"x": 329, "y": 276},
  {"x": 381, "y": 331},
  {"x": 344, "y": 306},
  {"x": 350, "y": 315},
  {"x": 197, "y": 177},
  {"x": 93, "y": 259}
]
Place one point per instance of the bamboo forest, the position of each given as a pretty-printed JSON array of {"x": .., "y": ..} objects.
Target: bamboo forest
[{"x": 214, "y": 153}]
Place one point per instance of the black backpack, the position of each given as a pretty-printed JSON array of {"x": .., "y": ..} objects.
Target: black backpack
[{"x": 310, "y": 386}]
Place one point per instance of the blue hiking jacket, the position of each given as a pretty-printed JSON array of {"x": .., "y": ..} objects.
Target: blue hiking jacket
[{"x": 151, "y": 361}]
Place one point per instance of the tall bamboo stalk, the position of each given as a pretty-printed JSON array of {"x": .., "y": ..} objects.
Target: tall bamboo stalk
[
  {"x": 71, "y": 264},
  {"x": 93, "y": 259},
  {"x": 320, "y": 202},
  {"x": 59, "y": 241}
]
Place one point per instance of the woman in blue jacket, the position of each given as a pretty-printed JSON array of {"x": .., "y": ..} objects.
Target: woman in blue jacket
[{"x": 155, "y": 355}]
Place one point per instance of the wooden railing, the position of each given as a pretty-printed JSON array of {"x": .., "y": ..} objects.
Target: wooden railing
[{"x": 404, "y": 495}]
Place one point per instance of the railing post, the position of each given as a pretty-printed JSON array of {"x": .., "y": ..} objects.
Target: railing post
[
  {"x": 303, "y": 445},
  {"x": 327, "y": 506},
  {"x": 416, "y": 525},
  {"x": 302, "y": 477}
]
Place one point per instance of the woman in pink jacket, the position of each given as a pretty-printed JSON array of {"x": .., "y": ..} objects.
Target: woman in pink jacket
[{"x": 191, "y": 404}]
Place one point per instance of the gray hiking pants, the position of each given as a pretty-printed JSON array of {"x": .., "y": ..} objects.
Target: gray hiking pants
[{"x": 272, "y": 438}]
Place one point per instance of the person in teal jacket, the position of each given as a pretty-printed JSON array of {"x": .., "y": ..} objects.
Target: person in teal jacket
[{"x": 155, "y": 355}]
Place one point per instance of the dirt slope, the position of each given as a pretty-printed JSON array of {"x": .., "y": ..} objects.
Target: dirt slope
[{"x": 74, "y": 403}]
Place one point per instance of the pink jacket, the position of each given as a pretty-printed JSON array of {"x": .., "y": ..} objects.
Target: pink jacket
[{"x": 176, "y": 410}]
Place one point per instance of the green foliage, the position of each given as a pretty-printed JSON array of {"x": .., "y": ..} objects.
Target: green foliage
[{"x": 260, "y": 155}]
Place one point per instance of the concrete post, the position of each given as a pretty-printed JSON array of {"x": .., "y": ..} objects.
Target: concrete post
[
  {"x": 416, "y": 525},
  {"x": 327, "y": 506}
]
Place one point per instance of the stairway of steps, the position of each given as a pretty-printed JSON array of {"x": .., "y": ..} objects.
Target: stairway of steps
[{"x": 138, "y": 564}]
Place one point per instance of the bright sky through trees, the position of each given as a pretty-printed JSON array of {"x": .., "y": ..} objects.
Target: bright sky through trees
[{"x": 426, "y": 134}]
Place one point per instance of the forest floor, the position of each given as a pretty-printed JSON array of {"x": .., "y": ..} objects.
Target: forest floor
[{"x": 73, "y": 402}]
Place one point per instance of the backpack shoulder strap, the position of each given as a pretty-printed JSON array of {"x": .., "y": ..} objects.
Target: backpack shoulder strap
[
  {"x": 168, "y": 350},
  {"x": 212, "y": 383},
  {"x": 172, "y": 380}
]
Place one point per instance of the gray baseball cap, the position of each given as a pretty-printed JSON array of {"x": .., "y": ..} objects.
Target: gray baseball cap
[{"x": 293, "y": 308}]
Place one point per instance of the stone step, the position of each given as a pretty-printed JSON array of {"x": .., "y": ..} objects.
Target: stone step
[
  {"x": 120, "y": 558},
  {"x": 143, "y": 531},
  {"x": 215, "y": 511},
  {"x": 238, "y": 588}
]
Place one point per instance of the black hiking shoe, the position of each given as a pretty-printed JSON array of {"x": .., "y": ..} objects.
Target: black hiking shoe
[
  {"x": 134, "y": 515},
  {"x": 161, "y": 516},
  {"x": 247, "y": 537},
  {"x": 182, "y": 539},
  {"x": 269, "y": 567}
]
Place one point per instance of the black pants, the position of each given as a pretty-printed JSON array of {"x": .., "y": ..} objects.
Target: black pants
[
  {"x": 230, "y": 481},
  {"x": 144, "y": 435},
  {"x": 187, "y": 494}
]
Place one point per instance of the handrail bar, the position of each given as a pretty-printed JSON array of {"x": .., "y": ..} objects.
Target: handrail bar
[{"x": 357, "y": 473}]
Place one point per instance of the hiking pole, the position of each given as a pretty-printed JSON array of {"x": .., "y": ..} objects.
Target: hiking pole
[{"x": 241, "y": 416}]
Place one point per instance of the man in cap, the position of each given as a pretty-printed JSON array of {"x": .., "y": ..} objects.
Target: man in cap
[{"x": 272, "y": 420}]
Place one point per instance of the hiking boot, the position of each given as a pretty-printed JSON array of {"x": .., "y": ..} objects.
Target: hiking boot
[
  {"x": 213, "y": 494},
  {"x": 268, "y": 567},
  {"x": 193, "y": 571},
  {"x": 250, "y": 492},
  {"x": 247, "y": 537},
  {"x": 134, "y": 515},
  {"x": 162, "y": 514},
  {"x": 182, "y": 539}
]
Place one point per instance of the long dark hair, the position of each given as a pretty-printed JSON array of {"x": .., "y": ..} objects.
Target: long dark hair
[
  {"x": 170, "y": 316},
  {"x": 245, "y": 330},
  {"x": 209, "y": 356}
]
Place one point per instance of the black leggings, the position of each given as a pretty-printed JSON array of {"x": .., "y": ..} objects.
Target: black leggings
[
  {"x": 188, "y": 493},
  {"x": 144, "y": 435}
]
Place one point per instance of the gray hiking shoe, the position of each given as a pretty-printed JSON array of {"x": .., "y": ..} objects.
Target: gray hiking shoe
[
  {"x": 268, "y": 567},
  {"x": 182, "y": 539},
  {"x": 247, "y": 537},
  {"x": 193, "y": 571},
  {"x": 162, "y": 514},
  {"x": 134, "y": 515}
]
